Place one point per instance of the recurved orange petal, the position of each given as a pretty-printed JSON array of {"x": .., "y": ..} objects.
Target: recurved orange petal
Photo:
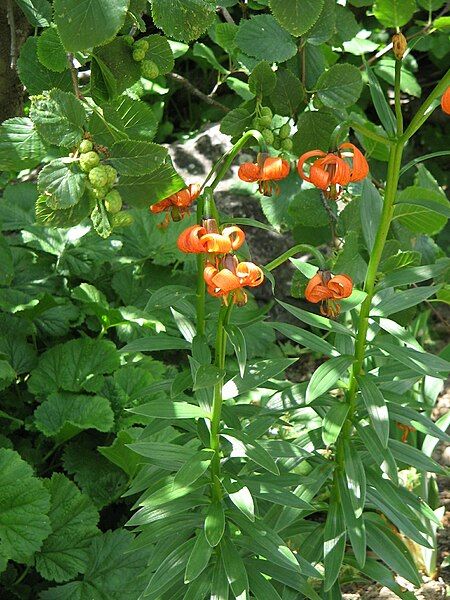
[
  {"x": 226, "y": 281},
  {"x": 302, "y": 160},
  {"x": 186, "y": 197},
  {"x": 160, "y": 206},
  {"x": 360, "y": 166},
  {"x": 249, "y": 274},
  {"x": 274, "y": 169},
  {"x": 318, "y": 176},
  {"x": 235, "y": 235},
  {"x": 316, "y": 290},
  {"x": 249, "y": 172},
  {"x": 216, "y": 242},
  {"x": 341, "y": 286},
  {"x": 189, "y": 240},
  {"x": 445, "y": 101}
]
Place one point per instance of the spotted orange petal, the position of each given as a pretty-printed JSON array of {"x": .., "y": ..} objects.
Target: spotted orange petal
[
  {"x": 249, "y": 172},
  {"x": 160, "y": 206},
  {"x": 341, "y": 286}
]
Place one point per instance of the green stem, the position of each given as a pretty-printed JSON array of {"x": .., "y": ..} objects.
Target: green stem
[
  {"x": 371, "y": 134},
  {"x": 398, "y": 106},
  {"x": 220, "y": 353},
  {"x": 305, "y": 248}
]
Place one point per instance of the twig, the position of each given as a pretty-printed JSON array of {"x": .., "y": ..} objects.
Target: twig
[
  {"x": 12, "y": 27},
  {"x": 74, "y": 73},
  {"x": 226, "y": 15},
  {"x": 331, "y": 216},
  {"x": 188, "y": 85}
]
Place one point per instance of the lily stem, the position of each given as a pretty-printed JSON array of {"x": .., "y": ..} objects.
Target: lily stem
[
  {"x": 220, "y": 353},
  {"x": 200, "y": 295}
]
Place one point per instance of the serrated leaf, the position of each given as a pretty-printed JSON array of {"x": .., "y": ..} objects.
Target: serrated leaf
[
  {"x": 325, "y": 25},
  {"x": 262, "y": 79},
  {"x": 143, "y": 190},
  {"x": 113, "y": 570},
  {"x": 21, "y": 147},
  {"x": 38, "y": 12},
  {"x": 263, "y": 38},
  {"x": 59, "y": 118},
  {"x": 62, "y": 185},
  {"x": 68, "y": 217},
  {"x": 74, "y": 521},
  {"x": 297, "y": 16},
  {"x": 288, "y": 93},
  {"x": 132, "y": 156},
  {"x": 82, "y": 26},
  {"x": 394, "y": 13},
  {"x": 101, "y": 220},
  {"x": 326, "y": 376},
  {"x": 37, "y": 78},
  {"x": 340, "y": 86},
  {"x": 61, "y": 410},
  {"x": 24, "y": 505},
  {"x": 314, "y": 130},
  {"x": 50, "y": 50},
  {"x": 74, "y": 366},
  {"x": 183, "y": 20},
  {"x": 160, "y": 52},
  {"x": 376, "y": 407}
]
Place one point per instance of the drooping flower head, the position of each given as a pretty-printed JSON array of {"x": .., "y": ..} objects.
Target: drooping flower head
[
  {"x": 328, "y": 289},
  {"x": 445, "y": 101},
  {"x": 177, "y": 204},
  {"x": 230, "y": 276},
  {"x": 333, "y": 171},
  {"x": 206, "y": 238},
  {"x": 266, "y": 171}
]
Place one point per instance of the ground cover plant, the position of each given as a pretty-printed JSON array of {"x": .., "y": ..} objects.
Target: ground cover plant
[{"x": 162, "y": 437}]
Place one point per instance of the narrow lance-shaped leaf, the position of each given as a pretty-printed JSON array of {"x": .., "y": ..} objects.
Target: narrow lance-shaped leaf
[
  {"x": 214, "y": 524},
  {"x": 355, "y": 525},
  {"x": 333, "y": 422},
  {"x": 326, "y": 376},
  {"x": 198, "y": 559},
  {"x": 194, "y": 468},
  {"x": 376, "y": 407},
  {"x": 334, "y": 542},
  {"x": 234, "y": 568}
]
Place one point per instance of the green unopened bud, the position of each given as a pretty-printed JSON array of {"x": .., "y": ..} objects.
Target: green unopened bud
[
  {"x": 287, "y": 144},
  {"x": 266, "y": 111},
  {"x": 85, "y": 146},
  {"x": 140, "y": 45},
  {"x": 285, "y": 131},
  {"x": 276, "y": 144},
  {"x": 88, "y": 161},
  {"x": 268, "y": 136},
  {"x": 98, "y": 177},
  {"x": 138, "y": 55},
  {"x": 149, "y": 69},
  {"x": 128, "y": 39},
  {"x": 113, "y": 202},
  {"x": 266, "y": 121}
]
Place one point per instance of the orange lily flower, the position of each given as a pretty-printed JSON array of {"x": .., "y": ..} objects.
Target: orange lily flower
[
  {"x": 178, "y": 204},
  {"x": 231, "y": 278},
  {"x": 445, "y": 101},
  {"x": 265, "y": 172},
  {"x": 328, "y": 289},
  {"x": 331, "y": 172},
  {"x": 198, "y": 239}
]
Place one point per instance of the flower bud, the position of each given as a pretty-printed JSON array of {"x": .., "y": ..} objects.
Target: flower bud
[{"x": 399, "y": 45}]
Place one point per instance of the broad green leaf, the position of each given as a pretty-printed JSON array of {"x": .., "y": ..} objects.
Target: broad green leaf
[
  {"x": 61, "y": 183},
  {"x": 21, "y": 147},
  {"x": 82, "y": 26},
  {"x": 236, "y": 121},
  {"x": 314, "y": 130},
  {"x": 160, "y": 52},
  {"x": 61, "y": 410},
  {"x": 205, "y": 52},
  {"x": 198, "y": 559},
  {"x": 355, "y": 477},
  {"x": 412, "y": 275},
  {"x": 59, "y": 118},
  {"x": 394, "y": 13},
  {"x": 333, "y": 422},
  {"x": 422, "y": 210},
  {"x": 288, "y": 93},
  {"x": 305, "y": 338},
  {"x": 334, "y": 543},
  {"x": 74, "y": 520},
  {"x": 326, "y": 376},
  {"x": 194, "y": 468},
  {"x": 256, "y": 374},
  {"x": 306, "y": 208},
  {"x": 297, "y": 16},
  {"x": 37, "y": 78},
  {"x": 237, "y": 340},
  {"x": 263, "y": 38},
  {"x": 376, "y": 407},
  {"x": 24, "y": 505},
  {"x": 340, "y": 86},
  {"x": 74, "y": 366},
  {"x": 143, "y": 190},
  {"x": 166, "y": 409},
  {"x": 316, "y": 320},
  {"x": 214, "y": 524},
  {"x": 403, "y": 300},
  {"x": 388, "y": 546},
  {"x": 262, "y": 79},
  {"x": 234, "y": 568},
  {"x": 183, "y": 20},
  {"x": 67, "y": 217},
  {"x": 50, "y": 50},
  {"x": 129, "y": 157},
  {"x": 325, "y": 25},
  {"x": 354, "y": 524},
  {"x": 38, "y": 12}
]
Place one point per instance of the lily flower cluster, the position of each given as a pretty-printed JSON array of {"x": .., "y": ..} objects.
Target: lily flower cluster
[
  {"x": 177, "y": 205},
  {"x": 223, "y": 273},
  {"x": 328, "y": 289}
]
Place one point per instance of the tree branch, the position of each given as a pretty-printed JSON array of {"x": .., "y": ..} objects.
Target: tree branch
[
  {"x": 12, "y": 27},
  {"x": 196, "y": 92},
  {"x": 74, "y": 74}
]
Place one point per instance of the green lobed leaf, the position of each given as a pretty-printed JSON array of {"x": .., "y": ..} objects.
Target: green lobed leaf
[
  {"x": 297, "y": 16},
  {"x": 82, "y": 25},
  {"x": 24, "y": 505},
  {"x": 326, "y": 376},
  {"x": 183, "y": 20},
  {"x": 73, "y": 519},
  {"x": 263, "y": 38},
  {"x": 59, "y": 118},
  {"x": 340, "y": 86}
]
